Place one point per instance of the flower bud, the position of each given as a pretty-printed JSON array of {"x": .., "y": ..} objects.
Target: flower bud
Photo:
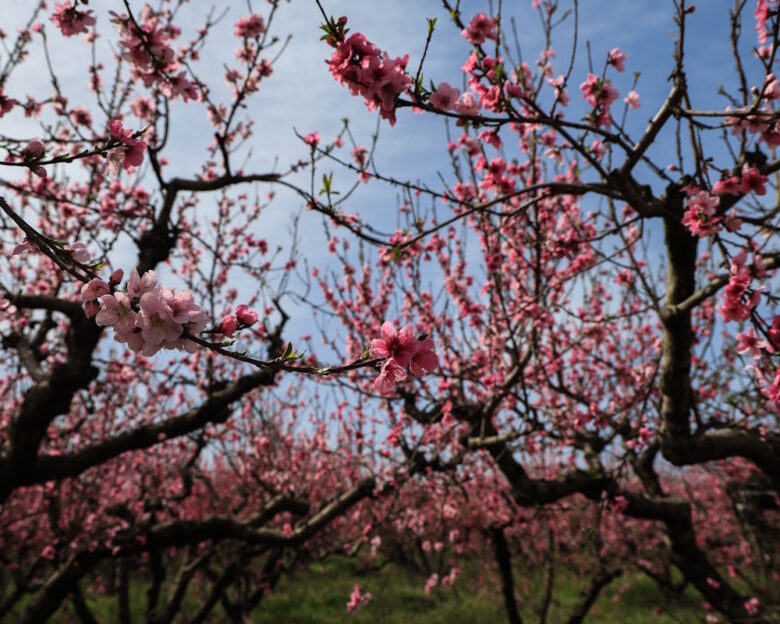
[
  {"x": 245, "y": 315},
  {"x": 34, "y": 150},
  {"x": 229, "y": 325},
  {"x": 116, "y": 277}
]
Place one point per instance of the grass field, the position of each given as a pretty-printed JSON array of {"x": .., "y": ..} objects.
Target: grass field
[{"x": 319, "y": 594}]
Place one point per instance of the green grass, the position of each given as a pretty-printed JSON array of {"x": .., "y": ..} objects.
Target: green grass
[{"x": 318, "y": 594}]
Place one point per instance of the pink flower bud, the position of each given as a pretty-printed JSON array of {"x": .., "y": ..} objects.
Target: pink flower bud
[
  {"x": 229, "y": 325},
  {"x": 116, "y": 277},
  {"x": 79, "y": 252},
  {"x": 34, "y": 149},
  {"x": 245, "y": 315}
]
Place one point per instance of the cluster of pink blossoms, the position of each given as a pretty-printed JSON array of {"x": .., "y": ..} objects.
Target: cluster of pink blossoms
[
  {"x": 600, "y": 95},
  {"x": 358, "y": 599},
  {"x": 701, "y": 217},
  {"x": 129, "y": 155},
  {"x": 445, "y": 97},
  {"x": 403, "y": 351},
  {"x": 737, "y": 305},
  {"x": 250, "y": 27},
  {"x": 70, "y": 20},
  {"x": 151, "y": 57},
  {"x": 748, "y": 342},
  {"x": 147, "y": 317},
  {"x": 367, "y": 72},
  {"x": 480, "y": 28}
]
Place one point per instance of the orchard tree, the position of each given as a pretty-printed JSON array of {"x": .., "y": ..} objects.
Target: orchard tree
[
  {"x": 566, "y": 352},
  {"x": 614, "y": 339},
  {"x": 141, "y": 442}
]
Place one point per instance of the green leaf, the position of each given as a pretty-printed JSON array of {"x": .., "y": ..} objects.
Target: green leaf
[{"x": 327, "y": 183}]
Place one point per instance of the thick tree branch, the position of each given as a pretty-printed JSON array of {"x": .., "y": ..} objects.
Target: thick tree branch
[{"x": 212, "y": 410}]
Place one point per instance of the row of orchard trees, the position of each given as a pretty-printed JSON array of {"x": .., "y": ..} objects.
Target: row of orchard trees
[{"x": 520, "y": 371}]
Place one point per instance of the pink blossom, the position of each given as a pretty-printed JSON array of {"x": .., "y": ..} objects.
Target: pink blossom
[
  {"x": 390, "y": 374},
  {"x": 753, "y": 181},
  {"x": 116, "y": 277},
  {"x": 748, "y": 342},
  {"x": 93, "y": 289},
  {"x": 116, "y": 311},
  {"x": 6, "y": 103},
  {"x": 431, "y": 582},
  {"x": 184, "y": 310},
  {"x": 358, "y": 599},
  {"x": 617, "y": 59},
  {"x": 774, "y": 334},
  {"x": 727, "y": 186},
  {"x": 632, "y": 99},
  {"x": 752, "y": 606},
  {"x": 79, "y": 252},
  {"x": 250, "y": 27},
  {"x": 598, "y": 92},
  {"x": 138, "y": 286},
  {"x": 401, "y": 345},
  {"x": 143, "y": 108},
  {"x": 773, "y": 390},
  {"x": 425, "y": 360},
  {"x": 313, "y": 139},
  {"x": 469, "y": 105},
  {"x": 245, "y": 315},
  {"x": 133, "y": 339},
  {"x": 445, "y": 97},
  {"x": 597, "y": 149},
  {"x": 176, "y": 85},
  {"x": 700, "y": 217},
  {"x": 480, "y": 28},
  {"x": 449, "y": 579},
  {"x": 734, "y": 307},
  {"x": 732, "y": 222},
  {"x": 357, "y": 64},
  {"x": 114, "y": 159},
  {"x": 155, "y": 320},
  {"x": 360, "y": 156},
  {"x": 80, "y": 116},
  {"x": 132, "y": 153},
  {"x": 70, "y": 20}
]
